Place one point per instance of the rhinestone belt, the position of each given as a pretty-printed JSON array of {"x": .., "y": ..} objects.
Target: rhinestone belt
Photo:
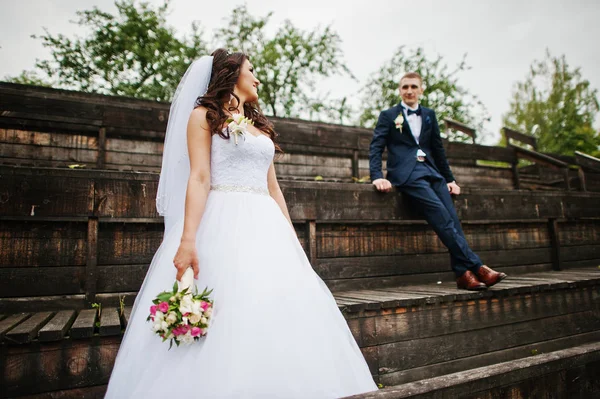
[{"x": 239, "y": 189}]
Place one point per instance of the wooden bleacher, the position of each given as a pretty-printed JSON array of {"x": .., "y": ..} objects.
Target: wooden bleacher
[{"x": 74, "y": 237}]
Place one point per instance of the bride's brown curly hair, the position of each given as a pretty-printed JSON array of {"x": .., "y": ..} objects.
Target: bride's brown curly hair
[{"x": 225, "y": 72}]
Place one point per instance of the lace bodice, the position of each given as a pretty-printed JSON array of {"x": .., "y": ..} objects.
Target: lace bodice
[{"x": 244, "y": 164}]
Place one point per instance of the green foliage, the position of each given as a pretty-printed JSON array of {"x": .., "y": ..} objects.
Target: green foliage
[
  {"x": 29, "y": 78},
  {"x": 121, "y": 305},
  {"x": 288, "y": 63},
  {"x": 557, "y": 106},
  {"x": 133, "y": 53},
  {"x": 442, "y": 90}
]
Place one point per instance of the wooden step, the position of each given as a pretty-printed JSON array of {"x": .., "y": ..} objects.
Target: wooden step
[
  {"x": 538, "y": 376},
  {"x": 406, "y": 333},
  {"x": 416, "y": 295}
]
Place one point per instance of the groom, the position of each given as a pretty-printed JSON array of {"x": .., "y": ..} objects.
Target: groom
[{"x": 418, "y": 167}]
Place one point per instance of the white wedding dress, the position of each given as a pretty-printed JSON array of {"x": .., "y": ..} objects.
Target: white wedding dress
[{"x": 276, "y": 330}]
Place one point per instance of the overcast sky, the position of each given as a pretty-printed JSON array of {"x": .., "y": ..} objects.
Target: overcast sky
[{"x": 501, "y": 38}]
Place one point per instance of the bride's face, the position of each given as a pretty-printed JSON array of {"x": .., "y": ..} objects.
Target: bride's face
[{"x": 247, "y": 84}]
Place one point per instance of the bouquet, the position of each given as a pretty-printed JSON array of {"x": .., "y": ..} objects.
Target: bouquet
[{"x": 180, "y": 315}]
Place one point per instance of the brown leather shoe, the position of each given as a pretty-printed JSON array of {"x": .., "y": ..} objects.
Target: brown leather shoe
[
  {"x": 468, "y": 281},
  {"x": 488, "y": 276}
]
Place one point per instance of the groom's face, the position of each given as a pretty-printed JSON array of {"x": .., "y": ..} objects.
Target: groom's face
[{"x": 410, "y": 91}]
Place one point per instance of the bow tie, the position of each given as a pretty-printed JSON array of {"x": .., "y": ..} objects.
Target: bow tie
[{"x": 417, "y": 111}]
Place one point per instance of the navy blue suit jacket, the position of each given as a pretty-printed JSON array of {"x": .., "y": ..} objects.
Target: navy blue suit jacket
[{"x": 402, "y": 147}]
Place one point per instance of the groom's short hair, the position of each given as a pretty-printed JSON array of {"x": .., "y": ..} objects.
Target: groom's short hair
[{"x": 411, "y": 75}]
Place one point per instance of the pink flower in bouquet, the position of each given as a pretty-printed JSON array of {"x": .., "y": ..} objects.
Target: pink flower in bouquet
[
  {"x": 163, "y": 307},
  {"x": 153, "y": 309},
  {"x": 196, "y": 331},
  {"x": 178, "y": 331},
  {"x": 204, "y": 305}
]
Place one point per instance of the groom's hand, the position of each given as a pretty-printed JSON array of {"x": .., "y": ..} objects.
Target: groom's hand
[
  {"x": 383, "y": 185},
  {"x": 454, "y": 188}
]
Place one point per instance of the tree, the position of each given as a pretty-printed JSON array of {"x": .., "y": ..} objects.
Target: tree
[
  {"x": 288, "y": 63},
  {"x": 133, "y": 53},
  {"x": 442, "y": 90},
  {"x": 556, "y": 106}
]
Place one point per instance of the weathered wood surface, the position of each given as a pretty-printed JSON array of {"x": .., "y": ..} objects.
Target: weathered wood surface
[
  {"x": 84, "y": 324},
  {"x": 28, "y": 329},
  {"x": 566, "y": 373},
  {"x": 347, "y": 256},
  {"x": 420, "y": 334},
  {"x": 70, "y": 193},
  {"x": 47, "y": 127},
  {"x": 58, "y": 128},
  {"x": 57, "y": 327},
  {"x": 100, "y": 236},
  {"x": 54, "y": 366}
]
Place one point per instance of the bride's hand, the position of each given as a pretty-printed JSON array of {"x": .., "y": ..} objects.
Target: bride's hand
[{"x": 185, "y": 257}]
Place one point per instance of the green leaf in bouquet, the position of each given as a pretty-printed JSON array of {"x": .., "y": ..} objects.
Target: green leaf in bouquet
[
  {"x": 164, "y": 297},
  {"x": 171, "y": 344},
  {"x": 175, "y": 286}
]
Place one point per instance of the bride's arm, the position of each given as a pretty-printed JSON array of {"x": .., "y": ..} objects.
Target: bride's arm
[
  {"x": 275, "y": 192},
  {"x": 198, "y": 187}
]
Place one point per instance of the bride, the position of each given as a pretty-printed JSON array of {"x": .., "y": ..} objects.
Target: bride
[{"x": 276, "y": 331}]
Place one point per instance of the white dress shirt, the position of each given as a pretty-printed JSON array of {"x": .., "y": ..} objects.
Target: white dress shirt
[{"x": 414, "y": 121}]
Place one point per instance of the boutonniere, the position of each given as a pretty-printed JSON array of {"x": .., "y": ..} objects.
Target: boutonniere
[
  {"x": 399, "y": 121},
  {"x": 238, "y": 125}
]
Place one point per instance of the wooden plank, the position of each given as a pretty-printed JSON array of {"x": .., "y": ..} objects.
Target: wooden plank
[
  {"x": 553, "y": 233},
  {"x": 133, "y": 159},
  {"x": 33, "y": 192},
  {"x": 313, "y": 171},
  {"x": 140, "y": 146},
  {"x": 539, "y": 158},
  {"x": 33, "y": 281},
  {"x": 57, "y": 327},
  {"x": 60, "y": 365},
  {"x": 426, "y": 262},
  {"x": 27, "y": 330},
  {"x": 91, "y": 273},
  {"x": 84, "y": 324},
  {"x": 124, "y": 198},
  {"x": 101, "y": 155},
  {"x": 504, "y": 359},
  {"x": 43, "y": 139},
  {"x": 461, "y": 127},
  {"x": 39, "y": 242},
  {"x": 128, "y": 243},
  {"x": 516, "y": 135},
  {"x": 67, "y": 156},
  {"x": 579, "y": 232},
  {"x": 132, "y": 195},
  {"x": 464, "y": 316},
  {"x": 322, "y": 160},
  {"x": 409, "y": 354},
  {"x": 14, "y": 104},
  {"x": 587, "y": 161},
  {"x": 11, "y": 321},
  {"x": 579, "y": 252},
  {"x": 311, "y": 234},
  {"x": 110, "y": 323},
  {"x": 119, "y": 278}
]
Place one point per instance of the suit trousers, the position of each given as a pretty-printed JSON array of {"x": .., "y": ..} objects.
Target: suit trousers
[{"x": 428, "y": 193}]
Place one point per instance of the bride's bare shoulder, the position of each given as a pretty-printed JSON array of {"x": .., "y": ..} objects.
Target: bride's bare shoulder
[{"x": 198, "y": 118}]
